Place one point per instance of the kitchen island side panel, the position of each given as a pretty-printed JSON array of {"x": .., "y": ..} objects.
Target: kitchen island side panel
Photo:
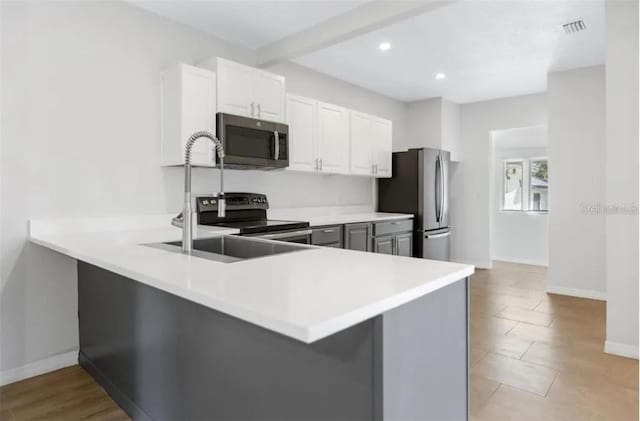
[
  {"x": 425, "y": 351},
  {"x": 162, "y": 357}
]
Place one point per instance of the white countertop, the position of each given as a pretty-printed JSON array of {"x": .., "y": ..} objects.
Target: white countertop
[{"x": 306, "y": 295}]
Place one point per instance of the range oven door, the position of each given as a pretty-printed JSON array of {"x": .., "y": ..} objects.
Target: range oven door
[{"x": 253, "y": 143}]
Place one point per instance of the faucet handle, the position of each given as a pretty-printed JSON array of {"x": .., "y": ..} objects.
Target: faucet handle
[{"x": 178, "y": 221}]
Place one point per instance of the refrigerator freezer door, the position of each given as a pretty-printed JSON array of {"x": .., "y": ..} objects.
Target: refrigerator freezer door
[
  {"x": 445, "y": 166},
  {"x": 430, "y": 189},
  {"x": 435, "y": 245}
]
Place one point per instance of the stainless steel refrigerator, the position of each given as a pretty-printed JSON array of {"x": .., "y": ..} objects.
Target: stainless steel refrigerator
[{"x": 420, "y": 185}]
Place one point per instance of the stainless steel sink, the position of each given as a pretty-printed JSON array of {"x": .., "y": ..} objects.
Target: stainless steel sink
[{"x": 229, "y": 248}]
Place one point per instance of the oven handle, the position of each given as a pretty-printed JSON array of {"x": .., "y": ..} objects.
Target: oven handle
[{"x": 281, "y": 235}]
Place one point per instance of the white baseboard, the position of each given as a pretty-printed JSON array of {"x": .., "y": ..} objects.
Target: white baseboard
[
  {"x": 533, "y": 262},
  {"x": 36, "y": 368},
  {"x": 478, "y": 265},
  {"x": 623, "y": 350},
  {"x": 580, "y": 293}
]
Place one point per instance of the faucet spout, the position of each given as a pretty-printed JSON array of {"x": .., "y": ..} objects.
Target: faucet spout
[{"x": 187, "y": 212}]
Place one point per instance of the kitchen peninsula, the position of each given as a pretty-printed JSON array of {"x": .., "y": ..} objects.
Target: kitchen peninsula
[{"x": 315, "y": 333}]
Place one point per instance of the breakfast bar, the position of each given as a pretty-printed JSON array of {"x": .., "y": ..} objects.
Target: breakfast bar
[{"x": 308, "y": 333}]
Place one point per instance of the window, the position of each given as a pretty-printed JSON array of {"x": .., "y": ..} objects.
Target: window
[
  {"x": 539, "y": 185},
  {"x": 512, "y": 185},
  {"x": 526, "y": 185}
]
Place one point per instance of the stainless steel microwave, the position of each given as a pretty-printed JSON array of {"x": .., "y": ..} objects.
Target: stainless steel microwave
[{"x": 252, "y": 143}]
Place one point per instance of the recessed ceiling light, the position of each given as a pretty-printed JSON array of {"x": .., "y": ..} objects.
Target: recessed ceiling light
[
  {"x": 384, "y": 46},
  {"x": 440, "y": 76}
]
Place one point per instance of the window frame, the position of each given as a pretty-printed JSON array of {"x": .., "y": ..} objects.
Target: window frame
[{"x": 526, "y": 191}]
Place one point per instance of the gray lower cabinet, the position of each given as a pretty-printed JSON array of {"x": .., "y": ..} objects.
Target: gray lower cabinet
[
  {"x": 327, "y": 236},
  {"x": 383, "y": 245},
  {"x": 358, "y": 236},
  {"x": 385, "y": 237},
  {"x": 404, "y": 244},
  {"x": 393, "y": 237}
]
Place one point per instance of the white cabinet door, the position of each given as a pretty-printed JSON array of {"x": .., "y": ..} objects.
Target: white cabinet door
[
  {"x": 198, "y": 112},
  {"x": 333, "y": 138},
  {"x": 269, "y": 96},
  {"x": 382, "y": 147},
  {"x": 235, "y": 88},
  {"x": 301, "y": 116},
  {"x": 361, "y": 143},
  {"x": 188, "y": 105}
]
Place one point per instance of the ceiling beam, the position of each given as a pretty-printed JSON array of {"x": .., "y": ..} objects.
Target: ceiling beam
[{"x": 369, "y": 17}]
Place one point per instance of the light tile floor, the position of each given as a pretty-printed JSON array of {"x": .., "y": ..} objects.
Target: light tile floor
[{"x": 539, "y": 356}]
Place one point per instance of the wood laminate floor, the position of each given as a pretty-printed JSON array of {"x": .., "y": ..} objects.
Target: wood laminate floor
[{"x": 535, "y": 356}]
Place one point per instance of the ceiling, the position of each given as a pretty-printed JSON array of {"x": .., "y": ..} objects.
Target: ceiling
[
  {"x": 252, "y": 24},
  {"x": 487, "y": 49}
]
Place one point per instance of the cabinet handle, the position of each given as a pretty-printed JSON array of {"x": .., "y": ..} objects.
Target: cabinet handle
[
  {"x": 253, "y": 110},
  {"x": 259, "y": 110},
  {"x": 328, "y": 231}
]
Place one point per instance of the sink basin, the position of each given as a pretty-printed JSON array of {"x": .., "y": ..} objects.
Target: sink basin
[{"x": 229, "y": 248}]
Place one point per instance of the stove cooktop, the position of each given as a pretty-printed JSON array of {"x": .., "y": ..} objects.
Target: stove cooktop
[{"x": 263, "y": 226}]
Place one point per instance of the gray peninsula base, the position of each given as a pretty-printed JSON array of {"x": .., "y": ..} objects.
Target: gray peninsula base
[{"x": 162, "y": 357}]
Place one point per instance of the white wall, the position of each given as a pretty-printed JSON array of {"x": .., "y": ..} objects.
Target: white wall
[
  {"x": 433, "y": 123},
  {"x": 622, "y": 176},
  {"x": 80, "y": 136},
  {"x": 576, "y": 101},
  {"x": 471, "y": 179},
  {"x": 520, "y": 237},
  {"x": 424, "y": 124},
  {"x": 451, "y": 128}
]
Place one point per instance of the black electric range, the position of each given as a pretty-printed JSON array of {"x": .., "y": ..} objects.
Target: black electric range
[{"x": 247, "y": 212}]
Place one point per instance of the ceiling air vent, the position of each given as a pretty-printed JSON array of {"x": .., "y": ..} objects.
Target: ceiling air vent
[{"x": 574, "y": 26}]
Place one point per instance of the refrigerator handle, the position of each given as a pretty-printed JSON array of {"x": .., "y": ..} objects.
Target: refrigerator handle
[
  {"x": 438, "y": 184},
  {"x": 442, "y": 186}
]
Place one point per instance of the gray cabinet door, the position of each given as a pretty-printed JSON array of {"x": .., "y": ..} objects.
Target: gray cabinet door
[
  {"x": 383, "y": 245},
  {"x": 404, "y": 244},
  {"x": 327, "y": 236},
  {"x": 357, "y": 237}
]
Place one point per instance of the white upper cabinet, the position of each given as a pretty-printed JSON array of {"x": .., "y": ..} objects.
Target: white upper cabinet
[
  {"x": 301, "y": 115},
  {"x": 235, "y": 88},
  {"x": 188, "y": 105},
  {"x": 250, "y": 92},
  {"x": 333, "y": 138},
  {"x": 370, "y": 145},
  {"x": 269, "y": 95},
  {"x": 361, "y": 143},
  {"x": 382, "y": 147}
]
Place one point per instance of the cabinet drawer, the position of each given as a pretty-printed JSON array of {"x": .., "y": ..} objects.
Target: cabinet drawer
[
  {"x": 390, "y": 227},
  {"x": 326, "y": 235}
]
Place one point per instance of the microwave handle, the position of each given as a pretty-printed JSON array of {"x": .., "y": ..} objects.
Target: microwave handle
[{"x": 276, "y": 139}]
